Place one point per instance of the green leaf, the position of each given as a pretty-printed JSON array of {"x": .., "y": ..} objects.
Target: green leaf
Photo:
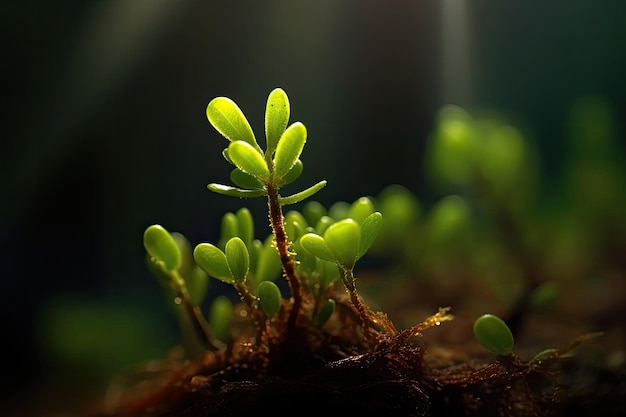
[
  {"x": 322, "y": 224},
  {"x": 186, "y": 256},
  {"x": 220, "y": 317},
  {"x": 269, "y": 298},
  {"x": 229, "y": 228},
  {"x": 197, "y": 282},
  {"x": 276, "y": 118},
  {"x": 343, "y": 239},
  {"x": 326, "y": 310},
  {"x": 269, "y": 266},
  {"x": 294, "y": 173},
  {"x": 213, "y": 261},
  {"x": 244, "y": 180},
  {"x": 306, "y": 261},
  {"x": 236, "y": 192},
  {"x": 449, "y": 218},
  {"x": 339, "y": 210},
  {"x": 255, "y": 248},
  {"x": 228, "y": 119},
  {"x": 493, "y": 333},
  {"x": 162, "y": 246},
  {"x": 289, "y": 148},
  {"x": 360, "y": 209},
  {"x": 238, "y": 258},
  {"x": 316, "y": 245},
  {"x": 329, "y": 272},
  {"x": 313, "y": 211},
  {"x": 369, "y": 230},
  {"x": 249, "y": 160},
  {"x": 400, "y": 209},
  {"x": 245, "y": 225},
  {"x": 297, "y": 197}
]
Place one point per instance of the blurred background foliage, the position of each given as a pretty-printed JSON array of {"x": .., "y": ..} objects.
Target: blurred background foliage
[{"x": 104, "y": 133}]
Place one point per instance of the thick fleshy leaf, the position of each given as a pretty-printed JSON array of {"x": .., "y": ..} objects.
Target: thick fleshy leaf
[
  {"x": 297, "y": 197},
  {"x": 269, "y": 298},
  {"x": 360, "y": 209},
  {"x": 369, "y": 230},
  {"x": 235, "y": 192},
  {"x": 329, "y": 272},
  {"x": 294, "y": 173},
  {"x": 276, "y": 118},
  {"x": 269, "y": 266},
  {"x": 197, "y": 282},
  {"x": 228, "y": 119},
  {"x": 221, "y": 315},
  {"x": 493, "y": 333},
  {"x": 160, "y": 244},
  {"x": 343, "y": 239},
  {"x": 244, "y": 180},
  {"x": 313, "y": 211},
  {"x": 213, "y": 261},
  {"x": 326, "y": 310},
  {"x": 187, "y": 263},
  {"x": 229, "y": 228},
  {"x": 323, "y": 223},
  {"x": 245, "y": 225},
  {"x": 249, "y": 160},
  {"x": 289, "y": 148},
  {"x": 316, "y": 245},
  {"x": 238, "y": 258}
]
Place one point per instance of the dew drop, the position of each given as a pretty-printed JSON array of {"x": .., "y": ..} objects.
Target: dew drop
[{"x": 178, "y": 300}]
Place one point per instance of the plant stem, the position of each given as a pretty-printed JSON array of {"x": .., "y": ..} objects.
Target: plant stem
[
  {"x": 282, "y": 245},
  {"x": 364, "y": 312},
  {"x": 196, "y": 318}
]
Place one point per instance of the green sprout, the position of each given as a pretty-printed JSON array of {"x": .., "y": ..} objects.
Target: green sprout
[
  {"x": 165, "y": 259},
  {"x": 260, "y": 173},
  {"x": 344, "y": 242},
  {"x": 493, "y": 333}
]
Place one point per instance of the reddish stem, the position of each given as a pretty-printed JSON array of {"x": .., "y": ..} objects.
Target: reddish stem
[{"x": 282, "y": 245}]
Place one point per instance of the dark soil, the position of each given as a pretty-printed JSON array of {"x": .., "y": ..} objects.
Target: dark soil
[{"x": 334, "y": 370}]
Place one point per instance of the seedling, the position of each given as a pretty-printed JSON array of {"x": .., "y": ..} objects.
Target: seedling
[
  {"x": 318, "y": 336},
  {"x": 493, "y": 333}
]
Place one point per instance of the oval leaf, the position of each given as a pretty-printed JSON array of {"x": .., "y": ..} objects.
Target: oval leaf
[
  {"x": 269, "y": 266},
  {"x": 269, "y": 298},
  {"x": 238, "y": 258},
  {"x": 294, "y": 173},
  {"x": 276, "y": 118},
  {"x": 360, "y": 209},
  {"x": 249, "y": 160},
  {"x": 162, "y": 246},
  {"x": 316, "y": 245},
  {"x": 343, "y": 239},
  {"x": 228, "y": 119},
  {"x": 493, "y": 333},
  {"x": 245, "y": 225},
  {"x": 369, "y": 230},
  {"x": 289, "y": 148},
  {"x": 244, "y": 180},
  {"x": 221, "y": 315},
  {"x": 213, "y": 261},
  {"x": 326, "y": 310}
]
